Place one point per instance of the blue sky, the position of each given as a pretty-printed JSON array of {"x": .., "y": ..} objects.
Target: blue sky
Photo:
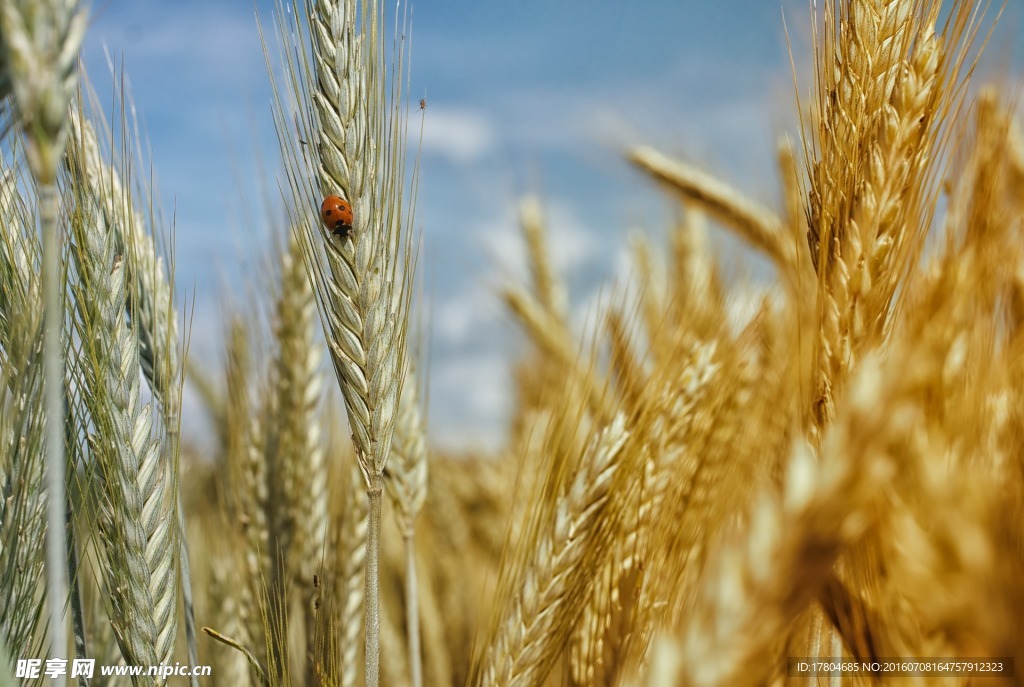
[{"x": 535, "y": 96}]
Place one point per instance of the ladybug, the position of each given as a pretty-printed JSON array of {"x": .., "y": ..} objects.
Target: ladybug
[{"x": 336, "y": 214}]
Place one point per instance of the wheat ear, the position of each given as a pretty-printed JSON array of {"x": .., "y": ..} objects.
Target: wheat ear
[
  {"x": 151, "y": 308},
  {"x": 768, "y": 576},
  {"x": 245, "y": 470},
  {"x": 669, "y": 447},
  {"x": 130, "y": 479},
  {"x": 154, "y": 324},
  {"x": 550, "y": 336},
  {"x": 152, "y": 304},
  {"x": 298, "y": 450},
  {"x": 548, "y": 288},
  {"x": 887, "y": 84},
  {"x": 23, "y": 507},
  {"x": 537, "y": 618},
  {"x": 225, "y": 595},
  {"x": 40, "y": 41},
  {"x": 759, "y": 226}
]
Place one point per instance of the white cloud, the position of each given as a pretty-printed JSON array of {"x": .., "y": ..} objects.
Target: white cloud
[
  {"x": 461, "y": 135},
  {"x": 456, "y": 318}
]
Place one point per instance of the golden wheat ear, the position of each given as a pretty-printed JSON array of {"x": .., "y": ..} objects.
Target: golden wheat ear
[{"x": 541, "y": 598}]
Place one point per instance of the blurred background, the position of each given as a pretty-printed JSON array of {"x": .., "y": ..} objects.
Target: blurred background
[{"x": 532, "y": 97}]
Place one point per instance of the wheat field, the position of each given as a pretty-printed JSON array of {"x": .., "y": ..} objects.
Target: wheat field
[{"x": 827, "y": 489}]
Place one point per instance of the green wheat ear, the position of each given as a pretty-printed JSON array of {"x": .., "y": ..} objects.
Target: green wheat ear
[{"x": 39, "y": 42}]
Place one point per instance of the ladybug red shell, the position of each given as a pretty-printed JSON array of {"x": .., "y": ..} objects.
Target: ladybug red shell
[{"x": 336, "y": 214}]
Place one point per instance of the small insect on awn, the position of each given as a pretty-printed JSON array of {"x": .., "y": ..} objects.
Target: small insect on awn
[
  {"x": 423, "y": 103},
  {"x": 336, "y": 214}
]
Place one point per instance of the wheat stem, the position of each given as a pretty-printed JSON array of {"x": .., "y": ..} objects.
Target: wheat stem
[
  {"x": 74, "y": 576},
  {"x": 412, "y": 611},
  {"x": 53, "y": 389},
  {"x": 375, "y": 497}
]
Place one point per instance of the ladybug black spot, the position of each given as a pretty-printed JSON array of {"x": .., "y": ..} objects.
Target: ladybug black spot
[{"x": 328, "y": 213}]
